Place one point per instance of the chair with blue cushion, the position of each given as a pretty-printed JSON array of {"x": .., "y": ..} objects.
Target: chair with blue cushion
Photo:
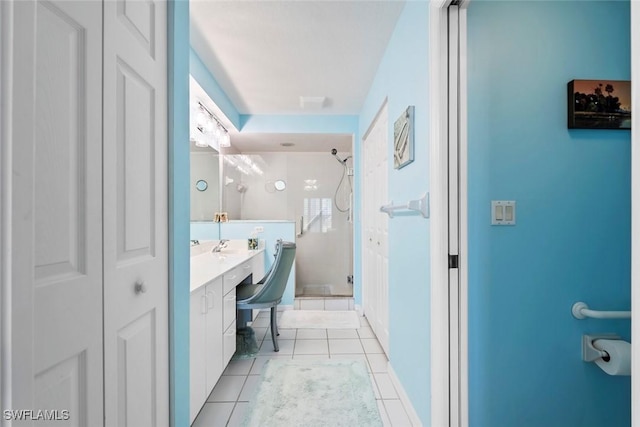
[{"x": 267, "y": 293}]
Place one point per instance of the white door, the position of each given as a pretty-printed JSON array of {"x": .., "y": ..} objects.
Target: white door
[
  {"x": 375, "y": 282},
  {"x": 135, "y": 214},
  {"x": 52, "y": 125},
  {"x": 368, "y": 232}
]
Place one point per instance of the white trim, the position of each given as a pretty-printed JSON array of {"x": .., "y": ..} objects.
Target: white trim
[
  {"x": 404, "y": 398},
  {"x": 439, "y": 213},
  {"x": 358, "y": 308},
  {"x": 635, "y": 214},
  {"x": 463, "y": 212},
  {"x": 6, "y": 89},
  {"x": 453, "y": 86}
]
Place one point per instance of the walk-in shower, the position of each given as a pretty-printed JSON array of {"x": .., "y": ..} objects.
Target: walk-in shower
[{"x": 317, "y": 198}]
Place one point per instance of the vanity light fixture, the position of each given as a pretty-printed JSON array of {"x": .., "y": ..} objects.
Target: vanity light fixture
[{"x": 209, "y": 130}]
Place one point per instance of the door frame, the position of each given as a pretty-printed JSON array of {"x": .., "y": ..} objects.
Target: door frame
[
  {"x": 440, "y": 334},
  {"x": 444, "y": 376}
]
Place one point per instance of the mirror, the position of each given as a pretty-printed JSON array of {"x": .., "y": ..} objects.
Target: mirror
[
  {"x": 204, "y": 159},
  {"x": 201, "y": 185},
  {"x": 280, "y": 185}
]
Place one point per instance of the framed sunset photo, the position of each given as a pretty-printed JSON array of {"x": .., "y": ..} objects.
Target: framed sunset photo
[{"x": 599, "y": 104}]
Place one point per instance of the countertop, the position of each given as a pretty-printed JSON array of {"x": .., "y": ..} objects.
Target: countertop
[{"x": 206, "y": 266}]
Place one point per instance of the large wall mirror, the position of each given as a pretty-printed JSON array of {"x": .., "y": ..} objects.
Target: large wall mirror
[{"x": 205, "y": 171}]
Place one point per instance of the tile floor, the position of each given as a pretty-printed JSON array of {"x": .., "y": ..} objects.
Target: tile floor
[{"x": 229, "y": 400}]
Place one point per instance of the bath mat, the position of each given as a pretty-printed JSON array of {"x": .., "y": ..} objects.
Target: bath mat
[
  {"x": 313, "y": 393},
  {"x": 319, "y": 319}
]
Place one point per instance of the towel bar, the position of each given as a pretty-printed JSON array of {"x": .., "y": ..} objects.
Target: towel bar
[{"x": 420, "y": 205}]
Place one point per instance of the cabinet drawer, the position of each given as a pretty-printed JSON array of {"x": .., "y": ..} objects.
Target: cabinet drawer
[
  {"x": 229, "y": 344},
  {"x": 233, "y": 277},
  {"x": 229, "y": 308}
]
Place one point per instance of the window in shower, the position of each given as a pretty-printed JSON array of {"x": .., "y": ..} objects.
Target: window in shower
[{"x": 317, "y": 214}]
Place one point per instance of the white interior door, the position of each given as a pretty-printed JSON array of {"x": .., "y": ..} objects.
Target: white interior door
[
  {"x": 375, "y": 282},
  {"x": 368, "y": 232},
  {"x": 136, "y": 214},
  {"x": 52, "y": 110}
]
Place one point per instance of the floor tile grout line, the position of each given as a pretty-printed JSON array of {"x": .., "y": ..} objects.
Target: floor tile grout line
[{"x": 366, "y": 356}]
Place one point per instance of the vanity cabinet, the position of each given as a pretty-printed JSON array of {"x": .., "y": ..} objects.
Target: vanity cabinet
[{"x": 213, "y": 320}]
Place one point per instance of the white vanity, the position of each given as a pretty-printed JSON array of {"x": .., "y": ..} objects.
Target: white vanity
[{"x": 214, "y": 277}]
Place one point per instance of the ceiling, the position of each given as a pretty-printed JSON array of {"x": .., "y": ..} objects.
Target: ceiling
[
  {"x": 267, "y": 54},
  {"x": 261, "y": 142}
]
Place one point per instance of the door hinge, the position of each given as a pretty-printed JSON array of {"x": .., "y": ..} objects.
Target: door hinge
[{"x": 453, "y": 261}]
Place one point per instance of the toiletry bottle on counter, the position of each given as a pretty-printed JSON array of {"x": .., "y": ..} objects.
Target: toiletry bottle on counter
[{"x": 252, "y": 242}]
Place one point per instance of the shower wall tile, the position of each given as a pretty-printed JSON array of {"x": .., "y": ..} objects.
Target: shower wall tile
[{"x": 336, "y": 304}]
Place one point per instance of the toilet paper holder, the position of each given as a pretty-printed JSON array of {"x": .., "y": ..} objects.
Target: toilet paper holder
[{"x": 589, "y": 352}]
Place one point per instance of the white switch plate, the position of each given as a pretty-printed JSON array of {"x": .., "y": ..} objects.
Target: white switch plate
[
  {"x": 259, "y": 229},
  {"x": 503, "y": 212}
]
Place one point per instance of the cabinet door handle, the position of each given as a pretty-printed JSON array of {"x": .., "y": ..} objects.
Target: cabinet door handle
[
  {"x": 211, "y": 303},
  {"x": 203, "y": 305},
  {"x": 231, "y": 298},
  {"x": 231, "y": 277}
]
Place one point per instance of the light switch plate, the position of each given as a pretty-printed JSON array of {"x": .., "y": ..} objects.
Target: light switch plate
[{"x": 503, "y": 212}]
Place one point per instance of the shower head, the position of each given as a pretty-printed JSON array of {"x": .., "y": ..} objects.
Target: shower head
[{"x": 334, "y": 153}]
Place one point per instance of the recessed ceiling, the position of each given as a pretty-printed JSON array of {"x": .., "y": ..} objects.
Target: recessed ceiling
[
  {"x": 266, "y": 55},
  {"x": 272, "y": 142}
]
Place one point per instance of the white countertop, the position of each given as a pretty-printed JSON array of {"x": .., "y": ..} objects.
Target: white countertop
[{"x": 206, "y": 265}]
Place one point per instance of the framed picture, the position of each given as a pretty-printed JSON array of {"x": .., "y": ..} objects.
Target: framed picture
[
  {"x": 403, "y": 139},
  {"x": 599, "y": 104}
]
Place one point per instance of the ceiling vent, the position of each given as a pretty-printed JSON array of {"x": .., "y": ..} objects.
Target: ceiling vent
[{"x": 313, "y": 102}]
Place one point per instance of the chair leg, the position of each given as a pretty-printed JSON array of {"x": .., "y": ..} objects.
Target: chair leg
[{"x": 274, "y": 329}]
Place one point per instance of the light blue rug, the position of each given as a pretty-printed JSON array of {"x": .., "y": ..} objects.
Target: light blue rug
[{"x": 313, "y": 393}]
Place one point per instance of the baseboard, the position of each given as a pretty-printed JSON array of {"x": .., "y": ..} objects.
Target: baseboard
[
  {"x": 411, "y": 412},
  {"x": 359, "y": 310}
]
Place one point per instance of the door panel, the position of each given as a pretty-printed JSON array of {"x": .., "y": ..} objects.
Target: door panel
[
  {"x": 55, "y": 140},
  {"x": 375, "y": 262},
  {"x": 136, "y": 391},
  {"x": 64, "y": 387},
  {"x": 136, "y": 215},
  {"x": 135, "y": 105}
]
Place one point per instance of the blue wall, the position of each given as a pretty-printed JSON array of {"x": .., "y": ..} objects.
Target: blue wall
[
  {"x": 402, "y": 78},
  {"x": 178, "y": 123},
  {"x": 273, "y": 230},
  {"x": 572, "y": 238}
]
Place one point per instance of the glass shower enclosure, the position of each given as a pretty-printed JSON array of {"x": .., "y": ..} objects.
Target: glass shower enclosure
[{"x": 314, "y": 190}]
